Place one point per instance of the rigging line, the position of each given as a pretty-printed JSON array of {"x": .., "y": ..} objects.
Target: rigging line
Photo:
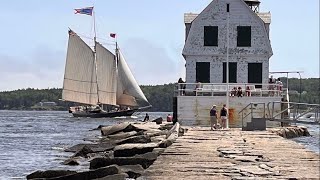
[{"x": 81, "y": 80}]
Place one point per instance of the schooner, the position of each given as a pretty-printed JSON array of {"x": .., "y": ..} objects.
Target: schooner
[{"x": 98, "y": 78}]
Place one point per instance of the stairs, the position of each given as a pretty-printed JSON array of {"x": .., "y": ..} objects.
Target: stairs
[{"x": 255, "y": 124}]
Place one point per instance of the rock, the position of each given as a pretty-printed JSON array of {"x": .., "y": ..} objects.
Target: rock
[
  {"x": 153, "y": 133},
  {"x": 71, "y": 162},
  {"x": 135, "y": 139},
  {"x": 126, "y": 150},
  {"x": 166, "y": 143},
  {"x": 158, "y": 151},
  {"x": 291, "y": 132},
  {"x": 94, "y": 147},
  {"x": 145, "y": 160},
  {"x": 123, "y": 135},
  {"x": 92, "y": 174},
  {"x": 124, "y": 127},
  {"x": 158, "y": 120},
  {"x": 83, "y": 152},
  {"x": 98, "y": 128},
  {"x": 133, "y": 171},
  {"x": 49, "y": 174},
  {"x": 120, "y": 176},
  {"x": 174, "y": 130},
  {"x": 166, "y": 127},
  {"x": 158, "y": 139}
]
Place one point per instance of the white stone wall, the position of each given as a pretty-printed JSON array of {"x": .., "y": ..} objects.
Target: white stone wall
[
  {"x": 216, "y": 68},
  {"x": 215, "y": 15},
  {"x": 194, "y": 110}
]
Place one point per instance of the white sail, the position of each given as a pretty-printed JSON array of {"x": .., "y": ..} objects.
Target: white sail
[
  {"x": 80, "y": 84},
  {"x": 128, "y": 89},
  {"x": 106, "y": 74}
]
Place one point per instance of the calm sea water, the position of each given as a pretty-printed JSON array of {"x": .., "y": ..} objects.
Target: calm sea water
[{"x": 34, "y": 140}]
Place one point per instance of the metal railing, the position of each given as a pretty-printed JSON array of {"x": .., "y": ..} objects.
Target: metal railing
[
  {"x": 220, "y": 89},
  {"x": 253, "y": 106},
  {"x": 299, "y": 111}
]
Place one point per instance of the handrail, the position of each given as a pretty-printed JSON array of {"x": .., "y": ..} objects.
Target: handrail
[
  {"x": 251, "y": 110},
  {"x": 296, "y": 107}
]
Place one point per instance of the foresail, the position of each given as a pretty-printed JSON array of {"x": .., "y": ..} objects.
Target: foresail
[
  {"x": 128, "y": 90},
  {"x": 80, "y": 84},
  {"x": 106, "y": 74}
]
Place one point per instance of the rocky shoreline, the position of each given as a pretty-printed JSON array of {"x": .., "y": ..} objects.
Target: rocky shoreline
[{"x": 124, "y": 150}]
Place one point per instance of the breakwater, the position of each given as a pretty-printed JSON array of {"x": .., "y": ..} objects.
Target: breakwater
[
  {"x": 35, "y": 140},
  {"x": 234, "y": 154},
  {"x": 124, "y": 151}
]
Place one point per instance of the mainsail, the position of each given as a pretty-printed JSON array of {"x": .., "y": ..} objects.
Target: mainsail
[
  {"x": 106, "y": 74},
  {"x": 98, "y": 77},
  {"x": 80, "y": 84},
  {"x": 128, "y": 90}
]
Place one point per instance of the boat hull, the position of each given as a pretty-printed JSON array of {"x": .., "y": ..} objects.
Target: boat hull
[{"x": 102, "y": 114}]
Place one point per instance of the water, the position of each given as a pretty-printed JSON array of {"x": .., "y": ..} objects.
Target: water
[
  {"x": 312, "y": 142},
  {"x": 34, "y": 140}
]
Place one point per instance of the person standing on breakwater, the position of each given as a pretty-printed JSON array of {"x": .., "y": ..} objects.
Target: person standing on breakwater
[
  {"x": 213, "y": 117},
  {"x": 223, "y": 116}
]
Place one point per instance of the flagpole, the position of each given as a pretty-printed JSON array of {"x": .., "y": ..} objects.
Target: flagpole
[
  {"x": 94, "y": 25},
  {"x": 95, "y": 52},
  {"x": 227, "y": 67}
]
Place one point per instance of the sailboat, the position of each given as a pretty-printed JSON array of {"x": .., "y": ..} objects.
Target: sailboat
[{"x": 100, "y": 80}]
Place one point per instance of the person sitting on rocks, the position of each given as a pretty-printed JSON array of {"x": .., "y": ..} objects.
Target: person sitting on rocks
[
  {"x": 146, "y": 118},
  {"x": 169, "y": 118}
]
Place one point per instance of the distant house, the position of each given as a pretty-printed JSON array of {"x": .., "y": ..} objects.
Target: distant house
[
  {"x": 47, "y": 104},
  {"x": 205, "y": 46}
]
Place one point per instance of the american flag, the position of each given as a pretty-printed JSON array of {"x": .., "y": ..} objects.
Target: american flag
[{"x": 86, "y": 10}]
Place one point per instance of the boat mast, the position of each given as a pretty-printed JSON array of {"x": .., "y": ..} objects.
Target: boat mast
[{"x": 95, "y": 53}]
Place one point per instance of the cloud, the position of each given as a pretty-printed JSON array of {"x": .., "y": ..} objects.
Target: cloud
[
  {"x": 43, "y": 68},
  {"x": 149, "y": 63}
]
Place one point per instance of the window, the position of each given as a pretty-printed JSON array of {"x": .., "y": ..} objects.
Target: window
[
  {"x": 228, "y": 7},
  {"x": 244, "y": 36},
  {"x": 203, "y": 72},
  {"x": 210, "y": 36},
  {"x": 255, "y": 73},
  {"x": 232, "y": 72}
]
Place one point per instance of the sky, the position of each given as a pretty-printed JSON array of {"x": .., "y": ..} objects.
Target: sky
[{"x": 150, "y": 33}]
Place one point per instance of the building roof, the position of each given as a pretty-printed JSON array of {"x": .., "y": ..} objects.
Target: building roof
[
  {"x": 266, "y": 17},
  {"x": 189, "y": 17}
]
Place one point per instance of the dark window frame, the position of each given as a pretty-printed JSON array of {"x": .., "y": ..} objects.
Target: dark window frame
[
  {"x": 244, "y": 36},
  {"x": 233, "y": 75},
  {"x": 203, "y": 72},
  {"x": 210, "y": 36}
]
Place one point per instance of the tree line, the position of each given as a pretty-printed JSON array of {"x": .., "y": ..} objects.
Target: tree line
[{"x": 159, "y": 96}]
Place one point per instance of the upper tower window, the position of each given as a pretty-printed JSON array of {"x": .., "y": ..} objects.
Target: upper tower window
[
  {"x": 244, "y": 36},
  {"x": 210, "y": 36}
]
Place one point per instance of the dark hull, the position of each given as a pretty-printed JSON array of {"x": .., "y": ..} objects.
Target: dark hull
[{"x": 102, "y": 114}]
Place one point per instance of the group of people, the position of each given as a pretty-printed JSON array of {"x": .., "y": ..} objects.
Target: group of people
[
  {"x": 236, "y": 92},
  {"x": 169, "y": 118},
  {"x": 214, "y": 117},
  {"x": 275, "y": 86}
]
